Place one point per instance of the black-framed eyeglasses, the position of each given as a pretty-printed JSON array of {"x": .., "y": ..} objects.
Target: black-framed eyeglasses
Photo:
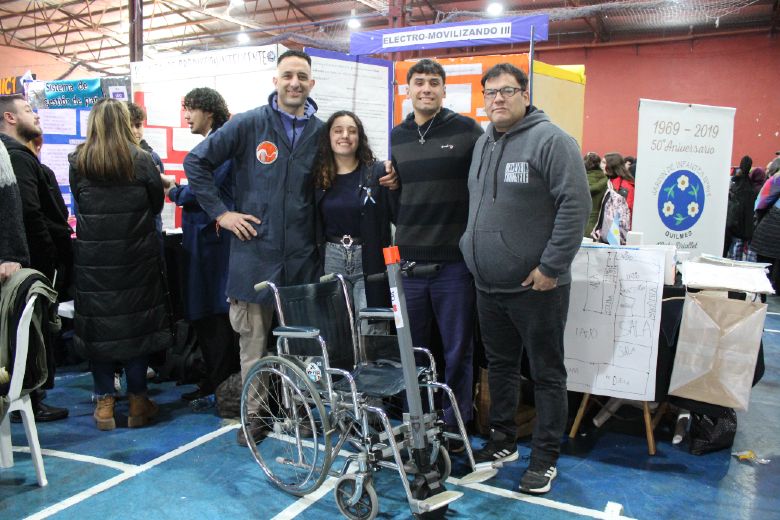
[{"x": 506, "y": 92}]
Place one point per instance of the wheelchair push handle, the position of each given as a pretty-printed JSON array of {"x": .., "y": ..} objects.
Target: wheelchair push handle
[
  {"x": 260, "y": 286},
  {"x": 410, "y": 270},
  {"x": 376, "y": 277}
]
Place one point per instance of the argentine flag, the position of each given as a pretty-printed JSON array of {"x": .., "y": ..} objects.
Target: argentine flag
[{"x": 613, "y": 235}]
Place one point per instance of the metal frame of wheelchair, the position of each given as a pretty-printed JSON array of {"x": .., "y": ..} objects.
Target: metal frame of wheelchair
[{"x": 297, "y": 421}]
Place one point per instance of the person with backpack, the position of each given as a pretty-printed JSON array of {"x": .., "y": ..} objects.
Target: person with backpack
[
  {"x": 621, "y": 179},
  {"x": 614, "y": 214},
  {"x": 617, "y": 207}
]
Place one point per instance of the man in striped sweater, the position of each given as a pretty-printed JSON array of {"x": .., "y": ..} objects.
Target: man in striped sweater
[{"x": 431, "y": 151}]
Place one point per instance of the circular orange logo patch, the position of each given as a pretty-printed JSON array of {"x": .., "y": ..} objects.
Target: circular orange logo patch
[{"x": 266, "y": 152}]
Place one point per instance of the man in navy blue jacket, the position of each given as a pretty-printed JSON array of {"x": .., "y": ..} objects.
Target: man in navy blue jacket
[
  {"x": 273, "y": 149},
  {"x": 206, "y": 252}
]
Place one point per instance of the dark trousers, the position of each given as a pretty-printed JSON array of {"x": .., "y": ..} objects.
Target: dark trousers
[
  {"x": 135, "y": 372},
  {"x": 449, "y": 299},
  {"x": 219, "y": 346},
  {"x": 534, "y": 321},
  {"x": 774, "y": 271}
]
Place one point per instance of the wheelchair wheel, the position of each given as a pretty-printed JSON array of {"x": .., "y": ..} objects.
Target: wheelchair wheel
[
  {"x": 286, "y": 425},
  {"x": 367, "y": 506}
]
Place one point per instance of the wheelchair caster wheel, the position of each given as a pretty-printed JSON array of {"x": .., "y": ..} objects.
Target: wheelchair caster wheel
[
  {"x": 443, "y": 464},
  {"x": 366, "y": 507}
]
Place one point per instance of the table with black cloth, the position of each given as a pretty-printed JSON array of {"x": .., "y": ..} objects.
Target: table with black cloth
[{"x": 672, "y": 303}]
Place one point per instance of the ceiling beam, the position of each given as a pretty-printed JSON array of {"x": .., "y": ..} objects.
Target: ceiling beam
[{"x": 304, "y": 13}]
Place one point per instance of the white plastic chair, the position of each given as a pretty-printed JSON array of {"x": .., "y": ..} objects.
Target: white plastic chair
[{"x": 22, "y": 402}]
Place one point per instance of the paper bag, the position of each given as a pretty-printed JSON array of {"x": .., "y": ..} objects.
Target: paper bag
[{"x": 717, "y": 350}]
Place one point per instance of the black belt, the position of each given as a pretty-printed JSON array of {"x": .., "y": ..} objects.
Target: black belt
[{"x": 346, "y": 240}]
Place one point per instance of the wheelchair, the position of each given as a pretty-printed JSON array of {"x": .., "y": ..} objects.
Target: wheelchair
[{"x": 320, "y": 401}]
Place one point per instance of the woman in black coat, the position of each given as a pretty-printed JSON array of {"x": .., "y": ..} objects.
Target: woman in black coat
[
  {"x": 739, "y": 217},
  {"x": 121, "y": 304},
  {"x": 353, "y": 212}
]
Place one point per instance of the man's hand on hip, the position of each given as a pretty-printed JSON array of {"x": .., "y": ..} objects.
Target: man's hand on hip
[
  {"x": 240, "y": 224},
  {"x": 540, "y": 282}
]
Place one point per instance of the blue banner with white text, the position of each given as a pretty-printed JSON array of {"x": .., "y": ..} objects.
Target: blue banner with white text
[
  {"x": 471, "y": 33},
  {"x": 81, "y": 93}
]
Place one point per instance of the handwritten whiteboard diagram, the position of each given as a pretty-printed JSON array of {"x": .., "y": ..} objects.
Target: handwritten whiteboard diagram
[{"x": 611, "y": 337}]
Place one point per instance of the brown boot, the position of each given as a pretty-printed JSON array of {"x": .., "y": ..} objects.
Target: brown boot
[
  {"x": 104, "y": 413},
  {"x": 141, "y": 410}
]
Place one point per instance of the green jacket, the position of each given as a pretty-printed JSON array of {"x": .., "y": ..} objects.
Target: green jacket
[
  {"x": 9, "y": 295},
  {"x": 597, "y": 181}
]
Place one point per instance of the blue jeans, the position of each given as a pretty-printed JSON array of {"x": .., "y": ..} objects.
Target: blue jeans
[
  {"x": 135, "y": 371},
  {"x": 448, "y": 297},
  {"x": 348, "y": 262}
]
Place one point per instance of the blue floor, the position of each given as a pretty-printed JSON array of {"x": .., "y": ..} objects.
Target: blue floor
[{"x": 187, "y": 465}]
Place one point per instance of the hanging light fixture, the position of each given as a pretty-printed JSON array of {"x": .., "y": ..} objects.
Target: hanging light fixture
[
  {"x": 495, "y": 8},
  {"x": 353, "y": 23}
]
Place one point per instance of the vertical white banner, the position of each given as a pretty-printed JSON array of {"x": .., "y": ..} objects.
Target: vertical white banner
[{"x": 683, "y": 159}]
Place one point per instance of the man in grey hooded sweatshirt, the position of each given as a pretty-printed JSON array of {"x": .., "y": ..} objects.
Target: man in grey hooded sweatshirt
[{"x": 528, "y": 205}]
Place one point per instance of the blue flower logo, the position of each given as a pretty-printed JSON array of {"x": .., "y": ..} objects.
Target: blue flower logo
[{"x": 681, "y": 200}]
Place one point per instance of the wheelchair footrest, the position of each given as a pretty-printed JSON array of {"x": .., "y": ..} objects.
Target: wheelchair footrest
[
  {"x": 439, "y": 500},
  {"x": 475, "y": 477}
]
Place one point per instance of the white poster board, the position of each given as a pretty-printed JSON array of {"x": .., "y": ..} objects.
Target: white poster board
[
  {"x": 611, "y": 336},
  {"x": 359, "y": 84},
  {"x": 684, "y": 154},
  {"x": 243, "y": 76}
]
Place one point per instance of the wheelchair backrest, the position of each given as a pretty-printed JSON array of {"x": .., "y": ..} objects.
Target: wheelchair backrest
[{"x": 326, "y": 306}]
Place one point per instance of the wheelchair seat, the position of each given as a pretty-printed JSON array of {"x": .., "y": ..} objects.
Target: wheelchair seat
[{"x": 376, "y": 379}]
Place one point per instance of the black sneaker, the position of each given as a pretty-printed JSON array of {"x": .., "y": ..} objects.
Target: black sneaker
[
  {"x": 498, "y": 449},
  {"x": 538, "y": 478}
]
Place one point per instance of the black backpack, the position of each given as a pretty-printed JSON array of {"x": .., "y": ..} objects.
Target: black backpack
[{"x": 184, "y": 360}]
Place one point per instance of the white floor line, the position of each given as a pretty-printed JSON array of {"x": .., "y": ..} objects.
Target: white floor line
[
  {"x": 774, "y": 313},
  {"x": 136, "y": 470},
  {"x": 300, "y": 505},
  {"x": 545, "y": 502},
  {"x": 121, "y": 466},
  {"x": 187, "y": 447},
  {"x": 771, "y": 330},
  {"x": 71, "y": 376}
]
